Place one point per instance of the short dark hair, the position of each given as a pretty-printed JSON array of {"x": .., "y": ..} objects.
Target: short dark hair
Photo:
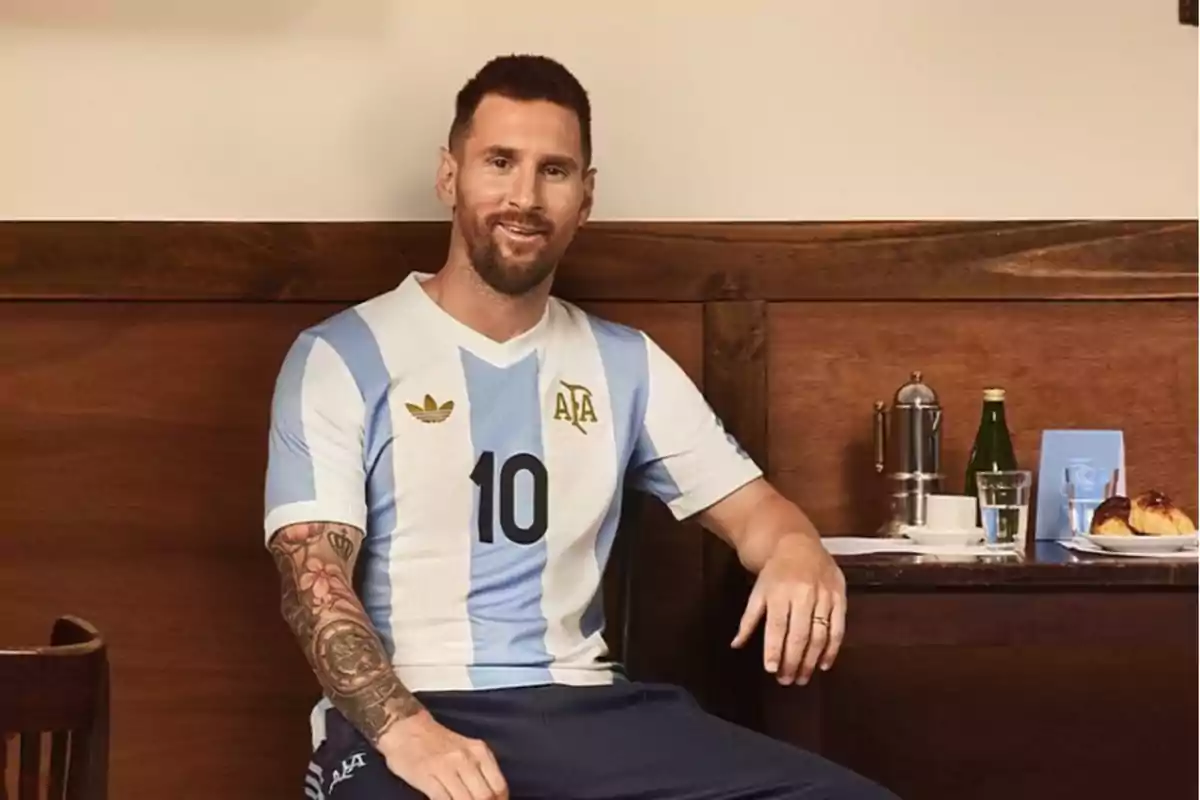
[{"x": 524, "y": 77}]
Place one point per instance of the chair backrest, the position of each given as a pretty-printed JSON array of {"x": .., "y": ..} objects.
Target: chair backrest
[
  {"x": 619, "y": 581},
  {"x": 60, "y": 690}
]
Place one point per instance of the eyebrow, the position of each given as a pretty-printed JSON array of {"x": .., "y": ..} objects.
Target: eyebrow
[{"x": 561, "y": 161}]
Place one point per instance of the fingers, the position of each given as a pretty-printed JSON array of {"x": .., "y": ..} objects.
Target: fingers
[
  {"x": 472, "y": 778},
  {"x": 750, "y": 617},
  {"x": 456, "y": 789},
  {"x": 468, "y": 774},
  {"x": 778, "y": 610},
  {"x": 795, "y": 643},
  {"x": 799, "y": 631},
  {"x": 837, "y": 630},
  {"x": 432, "y": 788},
  {"x": 819, "y": 636},
  {"x": 491, "y": 772}
]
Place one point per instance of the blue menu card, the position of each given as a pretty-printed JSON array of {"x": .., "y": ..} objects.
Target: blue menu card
[{"x": 1089, "y": 458}]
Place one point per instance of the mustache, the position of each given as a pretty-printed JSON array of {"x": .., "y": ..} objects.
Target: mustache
[{"x": 532, "y": 220}]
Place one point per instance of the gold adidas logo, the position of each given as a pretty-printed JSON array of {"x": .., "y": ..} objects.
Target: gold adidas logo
[{"x": 431, "y": 411}]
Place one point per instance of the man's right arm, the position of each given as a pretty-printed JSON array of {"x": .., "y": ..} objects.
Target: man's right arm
[
  {"x": 315, "y": 516},
  {"x": 315, "y": 561}
]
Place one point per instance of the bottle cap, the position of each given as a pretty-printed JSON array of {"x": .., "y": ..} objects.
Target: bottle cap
[{"x": 993, "y": 393}]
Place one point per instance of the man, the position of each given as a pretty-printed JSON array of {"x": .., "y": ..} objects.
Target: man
[{"x": 444, "y": 485}]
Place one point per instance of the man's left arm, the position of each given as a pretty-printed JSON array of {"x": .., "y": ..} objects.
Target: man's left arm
[
  {"x": 685, "y": 457},
  {"x": 799, "y": 589}
]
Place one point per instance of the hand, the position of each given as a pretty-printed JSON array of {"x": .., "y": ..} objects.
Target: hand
[
  {"x": 803, "y": 592},
  {"x": 440, "y": 763}
]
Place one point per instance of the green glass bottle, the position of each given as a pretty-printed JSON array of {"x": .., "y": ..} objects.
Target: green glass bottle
[{"x": 993, "y": 449}]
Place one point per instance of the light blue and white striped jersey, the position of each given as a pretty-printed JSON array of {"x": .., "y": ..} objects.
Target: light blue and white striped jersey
[{"x": 486, "y": 476}]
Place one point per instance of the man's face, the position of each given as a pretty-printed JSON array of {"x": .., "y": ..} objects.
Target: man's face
[{"x": 519, "y": 190}]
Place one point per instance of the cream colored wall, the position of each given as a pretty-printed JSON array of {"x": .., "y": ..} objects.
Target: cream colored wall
[{"x": 754, "y": 109}]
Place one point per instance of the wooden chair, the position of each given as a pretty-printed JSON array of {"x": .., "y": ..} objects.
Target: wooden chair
[
  {"x": 62, "y": 690},
  {"x": 619, "y": 583}
]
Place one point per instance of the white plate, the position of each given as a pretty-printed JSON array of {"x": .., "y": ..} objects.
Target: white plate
[
  {"x": 950, "y": 537},
  {"x": 1079, "y": 544},
  {"x": 1143, "y": 544}
]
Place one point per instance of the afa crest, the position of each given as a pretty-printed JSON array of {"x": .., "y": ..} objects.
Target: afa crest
[{"x": 574, "y": 405}]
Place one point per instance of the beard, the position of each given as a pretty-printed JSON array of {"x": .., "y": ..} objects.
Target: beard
[{"x": 509, "y": 275}]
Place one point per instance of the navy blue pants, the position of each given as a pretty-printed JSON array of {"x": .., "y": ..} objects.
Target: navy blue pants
[{"x": 628, "y": 740}]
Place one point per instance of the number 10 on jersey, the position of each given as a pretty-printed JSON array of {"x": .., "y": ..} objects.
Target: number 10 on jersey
[{"x": 535, "y": 502}]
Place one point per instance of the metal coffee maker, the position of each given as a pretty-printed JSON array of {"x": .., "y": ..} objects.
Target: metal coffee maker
[{"x": 908, "y": 445}]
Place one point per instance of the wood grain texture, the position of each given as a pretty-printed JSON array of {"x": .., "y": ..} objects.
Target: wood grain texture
[
  {"x": 133, "y": 442},
  {"x": 735, "y": 384},
  {"x": 1003, "y": 693},
  {"x": 1188, "y": 12},
  {"x": 54, "y": 699},
  {"x": 1046, "y": 566},
  {"x": 735, "y": 371},
  {"x": 684, "y": 261},
  {"x": 1013, "y": 617},
  {"x": 132, "y": 452},
  {"x": 1131, "y": 366},
  {"x": 1035, "y": 723}
]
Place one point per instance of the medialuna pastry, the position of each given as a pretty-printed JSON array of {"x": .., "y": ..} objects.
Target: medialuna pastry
[
  {"x": 1149, "y": 514},
  {"x": 1111, "y": 518},
  {"x": 1154, "y": 514}
]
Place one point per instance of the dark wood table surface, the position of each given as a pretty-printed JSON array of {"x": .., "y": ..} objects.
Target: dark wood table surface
[
  {"x": 1057, "y": 674},
  {"x": 1047, "y": 564}
]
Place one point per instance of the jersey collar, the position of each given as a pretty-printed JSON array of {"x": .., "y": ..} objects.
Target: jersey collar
[{"x": 498, "y": 353}]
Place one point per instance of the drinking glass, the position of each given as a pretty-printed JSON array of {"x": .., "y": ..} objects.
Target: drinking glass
[
  {"x": 1004, "y": 507},
  {"x": 1085, "y": 493}
]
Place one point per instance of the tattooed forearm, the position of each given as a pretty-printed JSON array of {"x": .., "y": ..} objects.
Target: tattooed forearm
[
  {"x": 319, "y": 604},
  {"x": 342, "y": 544}
]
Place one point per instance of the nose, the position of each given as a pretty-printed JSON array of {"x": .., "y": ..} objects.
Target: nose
[{"x": 525, "y": 192}]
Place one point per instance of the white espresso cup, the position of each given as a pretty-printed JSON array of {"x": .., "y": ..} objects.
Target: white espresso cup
[{"x": 950, "y": 512}]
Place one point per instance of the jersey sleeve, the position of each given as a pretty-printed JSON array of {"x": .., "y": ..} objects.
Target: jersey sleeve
[
  {"x": 683, "y": 455},
  {"x": 315, "y": 445}
]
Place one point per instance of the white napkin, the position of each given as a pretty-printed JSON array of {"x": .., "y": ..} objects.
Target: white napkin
[
  {"x": 1091, "y": 548},
  {"x": 863, "y": 545}
]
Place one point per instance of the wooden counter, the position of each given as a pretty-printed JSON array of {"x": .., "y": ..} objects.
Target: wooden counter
[
  {"x": 1058, "y": 675},
  {"x": 1049, "y": 566}
]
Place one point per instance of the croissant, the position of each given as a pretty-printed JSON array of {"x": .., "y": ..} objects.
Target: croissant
[
  {"x": 1111, "y": 518},
  {"x": 1153, "y": 514},
  {"x": 1149, "y": 514}
]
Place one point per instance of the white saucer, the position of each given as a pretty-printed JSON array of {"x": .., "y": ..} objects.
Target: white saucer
[
  {"x": 964, "y": 536},
  {"x": 1143, "y": 544}
]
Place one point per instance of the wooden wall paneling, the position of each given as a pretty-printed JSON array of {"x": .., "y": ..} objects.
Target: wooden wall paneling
[
  {"x": 1189, "y": 12},
  {"x": 132, "y": 456},
  {"x": 1131, "y": 366},
  {"x": 660, "y": 261},
  {"x": 735, "y": 371},
  {"x": 132, "y": 434},
  {"x": 735, "y": 357},
  {"x": 132, "y": 452}
]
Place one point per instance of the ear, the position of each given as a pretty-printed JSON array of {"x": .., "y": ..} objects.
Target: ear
[
  {"x": 589, "y": 195},
  {"x": 446, "y": 178}
]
